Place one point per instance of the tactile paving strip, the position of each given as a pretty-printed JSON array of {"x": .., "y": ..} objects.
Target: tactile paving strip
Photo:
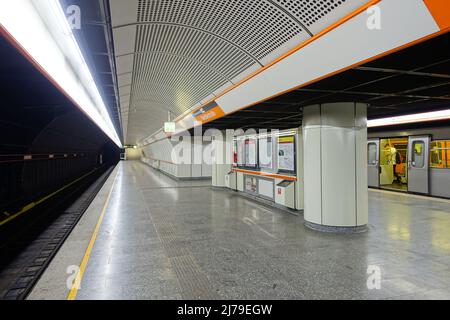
[{"x": 194, "y": 283}]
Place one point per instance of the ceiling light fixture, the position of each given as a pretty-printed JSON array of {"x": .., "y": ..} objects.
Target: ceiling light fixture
[
  {"x": 412, "y": 118},
  {"x": 43, "y": 32}
]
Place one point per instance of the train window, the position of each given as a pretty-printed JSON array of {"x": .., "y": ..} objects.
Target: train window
[
  {"x": 372, "y": 153},
  {"x": 440, "y": 154},
  {"x": 418, "y": 158}
]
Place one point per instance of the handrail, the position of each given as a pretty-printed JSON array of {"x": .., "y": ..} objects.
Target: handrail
[{"x": 266, "y": 174}]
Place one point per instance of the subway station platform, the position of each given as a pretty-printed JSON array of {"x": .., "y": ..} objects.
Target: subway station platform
[{"x": 162, "y": 239}]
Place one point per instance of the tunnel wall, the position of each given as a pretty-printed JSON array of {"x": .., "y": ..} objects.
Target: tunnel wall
[
  {"x": 180, "y": 157},
  {"x": 45, "y": 140},
  {"x": 65, "y": 148}
]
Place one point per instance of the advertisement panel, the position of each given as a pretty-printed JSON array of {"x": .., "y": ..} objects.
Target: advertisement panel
[{"x": 286, "y": 154}]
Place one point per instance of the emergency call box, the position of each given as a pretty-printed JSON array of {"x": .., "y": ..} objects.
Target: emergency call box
[{"x": 285, "y": 193}]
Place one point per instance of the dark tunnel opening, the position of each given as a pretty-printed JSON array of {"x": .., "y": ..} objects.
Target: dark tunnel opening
[{"x": 45, "y": 140}]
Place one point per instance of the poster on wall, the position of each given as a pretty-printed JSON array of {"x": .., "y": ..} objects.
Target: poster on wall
[
  {"x": 251, "y": 184},
  {"x": 286, "y": 154},
  {"x": 250, "y": 154},
  {"x": 265, "y": 153}
]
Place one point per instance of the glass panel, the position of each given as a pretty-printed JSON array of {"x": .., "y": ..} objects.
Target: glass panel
[
  {"x": 241, "y": 152},
  {"x": 418, "y": 157},
  {"x": 251, "y": 152},
  {"x": 440, "y": 154},
  {"x": 286, "y": 154},
  {"x": 235, "y": 153},
  {"x": 372, "y": 153},
  {"x": 265, "y": 153}
]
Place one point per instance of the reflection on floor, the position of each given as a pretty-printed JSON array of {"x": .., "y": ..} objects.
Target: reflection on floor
[
  {"x": 162, "y": 239},
  {"x": 396, "y": 186}
]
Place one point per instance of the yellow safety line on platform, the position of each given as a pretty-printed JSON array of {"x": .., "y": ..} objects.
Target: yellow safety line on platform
[
  {"x": 76, "y": 284},
  {"x": 31, "y": 205}
]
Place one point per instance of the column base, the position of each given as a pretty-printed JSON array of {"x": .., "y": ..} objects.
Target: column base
[{"x": 333, "y": 229}]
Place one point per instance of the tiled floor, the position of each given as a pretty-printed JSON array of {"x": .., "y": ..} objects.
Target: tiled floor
[{"x": 162, "y": 239}]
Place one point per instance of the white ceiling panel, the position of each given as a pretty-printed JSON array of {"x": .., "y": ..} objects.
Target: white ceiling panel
[
  {"x": 182, "y": 52},
  {"x": 123, "y": 12},
  {"x": 125, "y": 91},
  {"x": 124, "y": 79},
  {"x": 124, "y": 40},
  {"x": 124, "y": 63}
]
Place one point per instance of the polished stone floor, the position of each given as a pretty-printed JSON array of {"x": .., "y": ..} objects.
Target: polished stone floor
[{"x": 162, "y": 239}]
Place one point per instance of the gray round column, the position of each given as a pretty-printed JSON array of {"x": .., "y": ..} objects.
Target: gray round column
[{"x": 335, "y": 167}]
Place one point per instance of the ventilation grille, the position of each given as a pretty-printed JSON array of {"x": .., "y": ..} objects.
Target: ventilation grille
[
  {"x": 316, "y": 15},
  {"x": 310, "y": 11},
  {"x": 172, "y": 69},
  {"x": 258, "y": 27},
  {"x": 187, "y": 49}
]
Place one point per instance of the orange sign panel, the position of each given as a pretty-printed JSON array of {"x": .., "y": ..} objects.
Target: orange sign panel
[
  {"x": 208, "y": 113},
  {"x": 440, "y": 10}
]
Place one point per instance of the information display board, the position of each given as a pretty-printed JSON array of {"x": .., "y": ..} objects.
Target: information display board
[
  {"x": 286, "y": 154},
  {"x": 251, "y": 156},
  {"x": 265, "y": 153}
]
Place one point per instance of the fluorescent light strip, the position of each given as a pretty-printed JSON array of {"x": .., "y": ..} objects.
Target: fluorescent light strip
[
  {"x": 43, "y": 31},
  {"x": 413, "y": 118}
]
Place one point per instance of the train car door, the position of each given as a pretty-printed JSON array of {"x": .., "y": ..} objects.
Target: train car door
[
  {"x": 373, "y": 162},
  {"x": 418, "y": 164}
]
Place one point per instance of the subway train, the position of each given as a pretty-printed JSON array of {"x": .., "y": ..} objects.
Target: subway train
[{"x": 410, "y": 160}]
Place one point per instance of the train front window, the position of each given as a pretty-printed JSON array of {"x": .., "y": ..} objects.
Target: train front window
[{"x": 440, "y": 154}]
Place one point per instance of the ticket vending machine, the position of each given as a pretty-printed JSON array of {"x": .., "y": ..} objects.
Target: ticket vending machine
[{"x": 285, "y": 194}]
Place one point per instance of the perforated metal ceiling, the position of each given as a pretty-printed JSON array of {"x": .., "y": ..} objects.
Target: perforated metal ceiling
[{"x": 173, "y": 54}]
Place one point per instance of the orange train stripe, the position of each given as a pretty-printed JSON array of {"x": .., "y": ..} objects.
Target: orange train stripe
[
  {"x": 440, "y": 10},
  {"x": 264, "y": 174}
]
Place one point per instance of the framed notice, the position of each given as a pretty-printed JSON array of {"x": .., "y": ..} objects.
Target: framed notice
[
  {"x": 265, "y": 153},
  {"x": 286, "y": 154},
  {"x": 251, "y": 156}
]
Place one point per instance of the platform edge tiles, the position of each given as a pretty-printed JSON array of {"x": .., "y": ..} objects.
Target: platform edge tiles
[{"x": 57, "y": 280}]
